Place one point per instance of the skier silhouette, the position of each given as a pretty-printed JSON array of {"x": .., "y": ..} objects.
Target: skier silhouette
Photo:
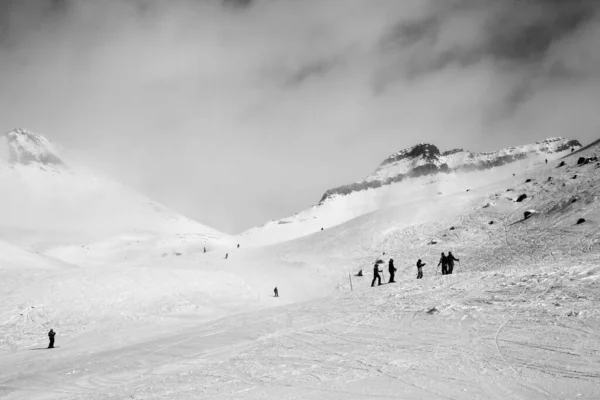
[
  {"x": 392, "y": 271},
  {"x": 376, "y": 275},
  {"x": 420, "y": 266},
  {"x": 51, "y": 335},
  {"x": 276, "y": 292},
  {"x": 226, "y": 255},
  {"x": 444, "y": 263},
  {"x": 451, "y": 260}
]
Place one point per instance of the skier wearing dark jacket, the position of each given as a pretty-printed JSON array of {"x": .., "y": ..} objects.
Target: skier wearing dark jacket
[
  {"x": 51, "y": 337},
  {"x": 451, "y": 260},
  {"x": 376, "y": 275},
  {"x": 420, "y": 266},
  {"x": 444, "y": 263},
  {"x": 392, "y": 270}
]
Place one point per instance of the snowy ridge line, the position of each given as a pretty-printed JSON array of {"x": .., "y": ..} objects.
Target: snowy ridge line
[{"x": 426, "y": 159}]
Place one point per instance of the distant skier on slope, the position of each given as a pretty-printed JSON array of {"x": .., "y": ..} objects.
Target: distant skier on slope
[
  {"x": 444, "y": 263},
  {"x": 276, "y": 292},
  {"x": 226, "y": 256},
  {"x": 451, "y": 260},
  {"x": 51, "y": 335},
  {"x": 392, "y": 271},
  {"x": 376, "y": 275},
  {"x": 420, "y": 266}
]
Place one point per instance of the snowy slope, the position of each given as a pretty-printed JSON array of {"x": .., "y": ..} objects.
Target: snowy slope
[
  {"x": 518, "y": 320},
  {"x": 13, "y": 257},
  {"x": 408, "y": 175},
  {"x": 43, "y": 192}
]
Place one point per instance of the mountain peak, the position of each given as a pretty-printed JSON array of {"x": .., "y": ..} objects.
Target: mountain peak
[
  {"x": 426, "y": 151},
  {"x": 21, "y": 146},
  {"x": 426, "y": 159}
]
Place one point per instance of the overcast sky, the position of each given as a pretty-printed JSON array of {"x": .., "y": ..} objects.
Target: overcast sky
[{"x": 237, "y": 112}]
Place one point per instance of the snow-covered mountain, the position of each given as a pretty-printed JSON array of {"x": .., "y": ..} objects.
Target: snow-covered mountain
[
  {"x": 418, "y": 172},
  {"x": 426, "y": 159},
  {"x": 21, "y": 146},
  {"x": 44, "y": 192}
]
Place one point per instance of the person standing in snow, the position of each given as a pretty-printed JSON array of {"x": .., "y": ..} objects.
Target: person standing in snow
[
  {"x": 451, "y": 260},
  {"x": 420, "y": 266},
  {"x": 444, "y": 263},
  {"x": 376, "y": 275},
  {"x": 276, "y": 292},
  {"x": 392, "y": 271},
  {"x": 51, "y": 335},
  {"x": 226, "y": 255}
]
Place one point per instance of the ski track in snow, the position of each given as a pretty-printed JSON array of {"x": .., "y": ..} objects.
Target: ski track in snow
[{"x": 373, "y": 343}]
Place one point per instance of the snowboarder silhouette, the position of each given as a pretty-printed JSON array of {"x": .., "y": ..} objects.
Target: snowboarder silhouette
[
  {"x": 238, "y": 246},
  {"x": 376, "y": 272},
  {"x": 444, "y": 263},
  {"x": 392, "y": 271},
  {"x": 276, "y": 292},
  {"x": 451, "y": 260},
  {"x": 51, "y": 335},
  {"x": 205, "y": 249},
  {"x": 226, "y": 255},
  {"x": 420, "y": 266}
]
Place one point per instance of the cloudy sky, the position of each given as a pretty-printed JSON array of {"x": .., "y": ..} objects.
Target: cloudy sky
[{"x": 235, "y": 112}]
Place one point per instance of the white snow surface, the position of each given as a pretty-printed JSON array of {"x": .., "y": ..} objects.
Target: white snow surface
[{"x": 149, "y": 316}]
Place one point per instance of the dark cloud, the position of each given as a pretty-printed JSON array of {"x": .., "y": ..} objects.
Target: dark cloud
[
  {"x": 525, "y": 30},
  {"x": 518, "y": 33}
]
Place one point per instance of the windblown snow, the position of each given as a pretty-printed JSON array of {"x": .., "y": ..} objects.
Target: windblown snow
[{"x": 158, "y": 312}]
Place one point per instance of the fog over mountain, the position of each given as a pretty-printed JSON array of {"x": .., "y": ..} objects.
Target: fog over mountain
[{"x": 201, "y": 103}]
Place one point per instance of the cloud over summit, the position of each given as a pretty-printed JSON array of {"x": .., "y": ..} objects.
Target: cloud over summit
[{"x": 201, "y": 103}]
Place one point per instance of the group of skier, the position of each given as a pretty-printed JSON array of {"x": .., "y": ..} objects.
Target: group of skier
[
  {"x": 446, "y": 261},
  {"x": 376, "y": 272}
]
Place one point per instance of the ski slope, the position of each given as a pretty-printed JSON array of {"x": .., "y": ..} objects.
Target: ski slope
[{"x": 143, "y": 317}]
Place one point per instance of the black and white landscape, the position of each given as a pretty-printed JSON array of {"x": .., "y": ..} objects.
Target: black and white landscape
[{"x": 353, "y": 109}]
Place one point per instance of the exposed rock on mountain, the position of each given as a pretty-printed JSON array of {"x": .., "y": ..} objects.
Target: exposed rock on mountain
[{"x": 426, "y": 159}]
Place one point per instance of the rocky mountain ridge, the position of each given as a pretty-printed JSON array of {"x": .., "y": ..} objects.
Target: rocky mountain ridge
[{"x": 426, "y": 159}]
